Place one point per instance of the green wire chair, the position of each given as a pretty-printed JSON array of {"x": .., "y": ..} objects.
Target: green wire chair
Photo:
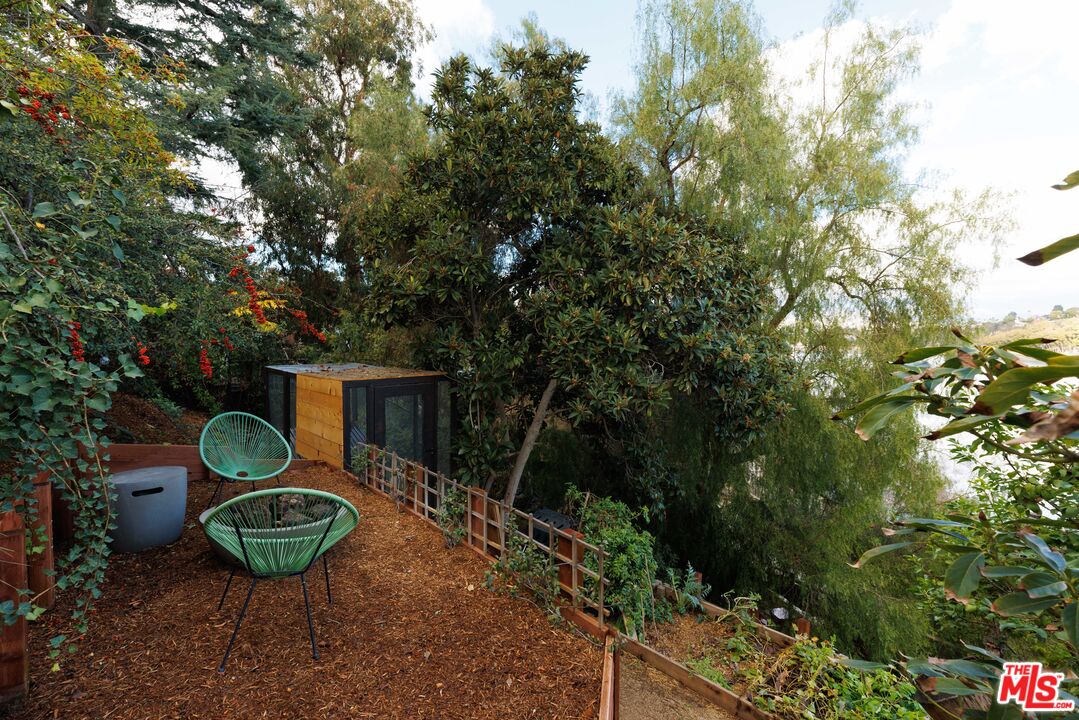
[
  {"x": 278, "y": 533},
  {"x": 243, "y": 448}
]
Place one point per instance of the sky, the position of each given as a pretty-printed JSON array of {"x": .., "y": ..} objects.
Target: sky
[{"x": 997, "y": 100}]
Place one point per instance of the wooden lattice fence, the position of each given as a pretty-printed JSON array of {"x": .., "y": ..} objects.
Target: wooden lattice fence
[{"x": 490, "y": 523}]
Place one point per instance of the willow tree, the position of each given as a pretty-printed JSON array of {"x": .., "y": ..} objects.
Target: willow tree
[
  {"x": 810, "y": 167},
  {"x": 553, "y": 285}
]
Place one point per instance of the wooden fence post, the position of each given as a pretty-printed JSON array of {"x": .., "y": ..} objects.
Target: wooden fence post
[
  {"x": 14, "y": 658},
  {"x": 40, "y": 578}
]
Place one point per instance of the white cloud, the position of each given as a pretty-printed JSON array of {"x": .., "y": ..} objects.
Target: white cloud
[
  {"x": 996, "y": 101},
  {"x": 458, "y": 26}
]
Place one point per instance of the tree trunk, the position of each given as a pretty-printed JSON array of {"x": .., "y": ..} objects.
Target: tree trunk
[{"x": 529, "y": 442}]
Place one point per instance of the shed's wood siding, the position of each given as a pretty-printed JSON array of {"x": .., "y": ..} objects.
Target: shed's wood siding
[{"x": 320, "y": 423}]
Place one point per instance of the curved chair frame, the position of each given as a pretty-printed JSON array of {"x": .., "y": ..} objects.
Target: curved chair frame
[
  {"x": 241, "y": 447},
  {"x": 275, "y": 538}
]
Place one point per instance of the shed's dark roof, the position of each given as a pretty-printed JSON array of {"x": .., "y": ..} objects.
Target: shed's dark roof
[{"x": 353, "y": 371}]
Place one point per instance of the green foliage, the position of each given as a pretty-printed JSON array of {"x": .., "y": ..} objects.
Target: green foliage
[
  {"x": 786, "y": 522},
  {"x": 861, "y": 265},
  {"x": 360, "y": 118},
  {"x": 219, "y": 58},
  {"x": 1012, "y": 545},
  {"x": 522, "y": 570},
  {"x": 102, "y": 263},
  {"x": 452, "y": 516},
  {"x": 630, "y": 567},
  {"x": 806, "y": 680},
  {"x": 689, "y": 589},
  {"x": 819, "y": 687},
  {"x": 515, "y": 197}
]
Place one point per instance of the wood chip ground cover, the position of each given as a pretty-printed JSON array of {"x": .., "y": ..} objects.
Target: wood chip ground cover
[{"x": 411, "y": 633}]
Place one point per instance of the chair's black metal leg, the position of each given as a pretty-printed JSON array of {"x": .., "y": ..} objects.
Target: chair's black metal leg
[
  {"x": 220, "y": 482},
  {"x": 310, "y": 623},
  {"x": 236, "y": 630},
  {"x": 326, "y": 572},
  {"x": 252, "y": 486},
  {"x": 228, "y": 584}
]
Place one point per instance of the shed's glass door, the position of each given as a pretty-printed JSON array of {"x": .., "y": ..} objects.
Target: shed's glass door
[{"x": 405, "y": 421}]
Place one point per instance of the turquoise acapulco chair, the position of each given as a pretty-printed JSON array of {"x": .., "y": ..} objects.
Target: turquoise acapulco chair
[
  {"x": 279, "y": 533},
  {"x": 243, "y": 448}
]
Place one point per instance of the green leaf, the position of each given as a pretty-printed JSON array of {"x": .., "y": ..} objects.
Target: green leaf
[
  {"x": 1012, "y": 387},
  {"x": 98, "y": 402},
  {"x": 44, "y": 209},
  {"x": 959, "y": 425},
  {"x": 78, "y": 200},
  {"x": 1070, "y": 617},
  {"x": 1008, "y": 711},
  {"x": 879, "y": 550},
  {"x": 862, "y": 406},
  {"x": 1000, "y": 571},
  {"x": 1019, "y": 603},
  {"x": 878, "y": 415},
  {"x": 114, "y": 221},
  {"x": 922, "y": 353},
  {"x": 971, "y": 669},
  {"x": 963, "y": 576},
  {"x": 1072, "y": 180},
  {"x": 863, "y": 665},
  {"x": 119, "y": 195},
  {"x": 1051, "y": 252},
  {"x": 1053, "y": 559},
  {"x": 952, "y": 686},
  {"x": 117, "y": 252},
  {"x": 1053, "y": 589}
]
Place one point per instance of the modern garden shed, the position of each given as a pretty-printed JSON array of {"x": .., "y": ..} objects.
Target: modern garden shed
[{"x": 325, "y": 410}]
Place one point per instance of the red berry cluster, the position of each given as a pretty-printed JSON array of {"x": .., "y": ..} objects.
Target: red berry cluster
[
  {"x": 78, "y": 352},
  {"x": 42, "y": 108},
  {"x": 204, "y": 364},
  {"x": 225, "y": 342},
  {"x": 240, "y": 270},
  {"x": 306, "y": 328},
  {"x": 144, "y": 356}
]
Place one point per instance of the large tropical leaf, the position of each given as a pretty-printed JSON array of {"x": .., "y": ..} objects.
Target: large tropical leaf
[
  {"x": 877, "y": 416},
  {"x": 1069, "y": 182},
  {"x": 880, "y": 550},
  {"x": 1019, "y": 603},
  {"x": 1050, "y": 252},
  {"x": 1013, "y": 386},
  {"x": 1071, "y": 623},
  {"x": 922, "y": 353},
  {"x": 963, "y": 576}
]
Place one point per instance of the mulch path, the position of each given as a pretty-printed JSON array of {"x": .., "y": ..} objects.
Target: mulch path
[{"x": 412, "y": 633}]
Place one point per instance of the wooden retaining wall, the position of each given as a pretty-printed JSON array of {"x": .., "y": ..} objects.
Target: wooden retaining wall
[{"x": 14, "y": 660}]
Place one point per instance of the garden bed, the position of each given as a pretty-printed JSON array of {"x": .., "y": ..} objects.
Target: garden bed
[
  {"x": 412, "y": 633},
  {"x": 784, "y": 678}
]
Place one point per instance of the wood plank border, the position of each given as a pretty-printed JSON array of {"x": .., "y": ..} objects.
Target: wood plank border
[
  {"x": 609, "y": 685},
  {"x": 720, "y": 696},
  {"x": 126, "y": 456}
]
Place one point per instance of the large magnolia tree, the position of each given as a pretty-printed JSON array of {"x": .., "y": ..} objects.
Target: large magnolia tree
[{"x": 550, "y": 282}]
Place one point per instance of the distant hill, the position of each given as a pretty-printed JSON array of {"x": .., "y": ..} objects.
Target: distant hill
[{"x": 1060, "y": 324}]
